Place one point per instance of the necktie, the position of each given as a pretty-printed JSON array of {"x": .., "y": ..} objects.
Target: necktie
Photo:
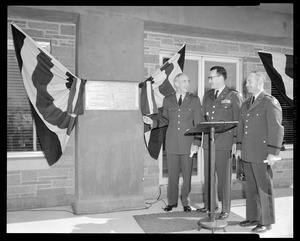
[
  {"x": 216, "y": 94},
  {"x": 252, "y": 100},
  {"x": 180, "y": 101}
]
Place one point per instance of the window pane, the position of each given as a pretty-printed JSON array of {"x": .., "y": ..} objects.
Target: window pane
[
  {"x": 191, "y": 69},
  {"x": 20, "y": 133}
]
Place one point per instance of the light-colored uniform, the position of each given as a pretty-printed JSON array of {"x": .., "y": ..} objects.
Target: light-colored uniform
[{"x": 260, "y": 133}]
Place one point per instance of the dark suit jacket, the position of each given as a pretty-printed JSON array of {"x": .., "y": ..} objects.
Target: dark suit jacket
[
  {"x": 179, "y": 119},
  {"x": 225, "y": 108},
  {"x": 259, "y": 130}
]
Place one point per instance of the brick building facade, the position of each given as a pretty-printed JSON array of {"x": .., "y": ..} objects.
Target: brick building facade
[{"x": 30, "y": 187}]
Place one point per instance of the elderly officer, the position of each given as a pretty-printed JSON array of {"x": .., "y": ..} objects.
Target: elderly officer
[
  {"x": 181, "y": 111},
  {"x": 260, "y": 136},
  {"x": 220, "y": 103}
]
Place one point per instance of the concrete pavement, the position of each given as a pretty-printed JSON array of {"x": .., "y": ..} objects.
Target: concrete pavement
[{"x": 62, "y": 220}]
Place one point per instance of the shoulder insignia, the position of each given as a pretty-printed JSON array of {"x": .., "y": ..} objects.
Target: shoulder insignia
[
  {"x": 275, "y": 101},
  {"x": 272, "y": 99}
]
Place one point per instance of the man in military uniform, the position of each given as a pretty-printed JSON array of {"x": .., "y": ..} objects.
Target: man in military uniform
[
  {"x": 181, "y": 111},
  {"x": 260, "y": 136},
  {"x": 220, "y": 103}
]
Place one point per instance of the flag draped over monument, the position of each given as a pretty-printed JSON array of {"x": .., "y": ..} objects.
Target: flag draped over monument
[
  {"x": 55, "y": 94},
  {"x": 280, "y": 70},
  {"x": 153, "y": 91}
]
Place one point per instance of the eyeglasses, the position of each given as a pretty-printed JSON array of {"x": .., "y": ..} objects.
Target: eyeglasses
[{"x": 211, "y": 77}]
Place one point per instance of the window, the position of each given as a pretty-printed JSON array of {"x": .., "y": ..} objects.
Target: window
[
  {"x": 21, "y": 130},
  {"x": 197, "y": 67}
]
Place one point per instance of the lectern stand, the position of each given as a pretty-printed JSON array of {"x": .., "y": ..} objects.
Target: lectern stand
[{"x": 212, "y": 128}]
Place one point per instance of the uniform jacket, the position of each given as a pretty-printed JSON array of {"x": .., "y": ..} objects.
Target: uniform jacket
[
  {"x": 225, "y": 108},
  {"x": 259, "y": 130},
  {"x": 179, "y": 120}
]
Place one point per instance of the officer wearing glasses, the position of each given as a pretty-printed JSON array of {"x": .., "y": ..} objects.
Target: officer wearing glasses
[{"x": 220, "y": 103}]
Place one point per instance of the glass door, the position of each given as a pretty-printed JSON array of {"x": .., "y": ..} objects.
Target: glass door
[{"x": 197, "y": 67}]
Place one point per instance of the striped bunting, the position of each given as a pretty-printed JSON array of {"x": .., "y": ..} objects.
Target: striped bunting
[
  {"x": 55, "y": 94},
  {"x": 280, "y": 70},
  {"x": 153, "y": 91}
]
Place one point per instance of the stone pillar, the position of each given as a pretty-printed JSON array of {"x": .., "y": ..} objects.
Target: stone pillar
[{"x": 109, "y": 143}]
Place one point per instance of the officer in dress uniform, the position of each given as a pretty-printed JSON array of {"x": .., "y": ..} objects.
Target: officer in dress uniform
[
  {"x": 220, "y": 103},
  {"x": 260, "y": 136},
  {"x": 181, "y": 111}
]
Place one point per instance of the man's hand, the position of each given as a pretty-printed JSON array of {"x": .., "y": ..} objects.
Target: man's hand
[
  {"x": 147, "y": 120},
  {"x": 271, "y": 159},
  {"x": 194, "y": 149},
  {"x": 238, "y": 154}
]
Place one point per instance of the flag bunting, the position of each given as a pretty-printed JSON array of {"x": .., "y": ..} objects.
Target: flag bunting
[
  {"x": 279, "y": 68},
  {"x": 153, "y": 91},
  {"x": 55, "y": 94}
]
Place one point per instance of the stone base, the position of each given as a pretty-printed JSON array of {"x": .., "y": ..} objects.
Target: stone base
[{"x": 108, "y": 205}]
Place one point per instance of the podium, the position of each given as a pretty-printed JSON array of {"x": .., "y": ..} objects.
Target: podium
[{"x": 212, "y": 127}]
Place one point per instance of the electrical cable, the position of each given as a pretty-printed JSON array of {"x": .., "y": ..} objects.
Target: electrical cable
[{"x": 157, "y": 199}]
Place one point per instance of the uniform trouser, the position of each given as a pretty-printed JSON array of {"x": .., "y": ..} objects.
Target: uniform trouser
[
  {"x": 223, "y": 173},
  {"x": 175, "y": 161},
  {"x": 259, "y": 193}
]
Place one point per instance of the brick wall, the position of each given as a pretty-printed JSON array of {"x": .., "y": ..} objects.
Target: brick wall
[
  {"x": 53, "y": 186},
  {"x": 155, "y": 42}
]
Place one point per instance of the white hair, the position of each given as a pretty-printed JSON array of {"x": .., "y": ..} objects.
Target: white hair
[{"x": 259, "y": 75}]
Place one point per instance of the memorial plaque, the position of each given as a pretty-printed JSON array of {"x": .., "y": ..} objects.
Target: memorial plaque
[{"x": 111, "y": 95}]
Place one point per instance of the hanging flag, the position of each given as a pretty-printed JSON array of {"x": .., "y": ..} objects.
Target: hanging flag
[
  {"x": 55, "y": 94},
  {"x": 153, "y": 91},
  {"x": 280, "y": 70}
]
